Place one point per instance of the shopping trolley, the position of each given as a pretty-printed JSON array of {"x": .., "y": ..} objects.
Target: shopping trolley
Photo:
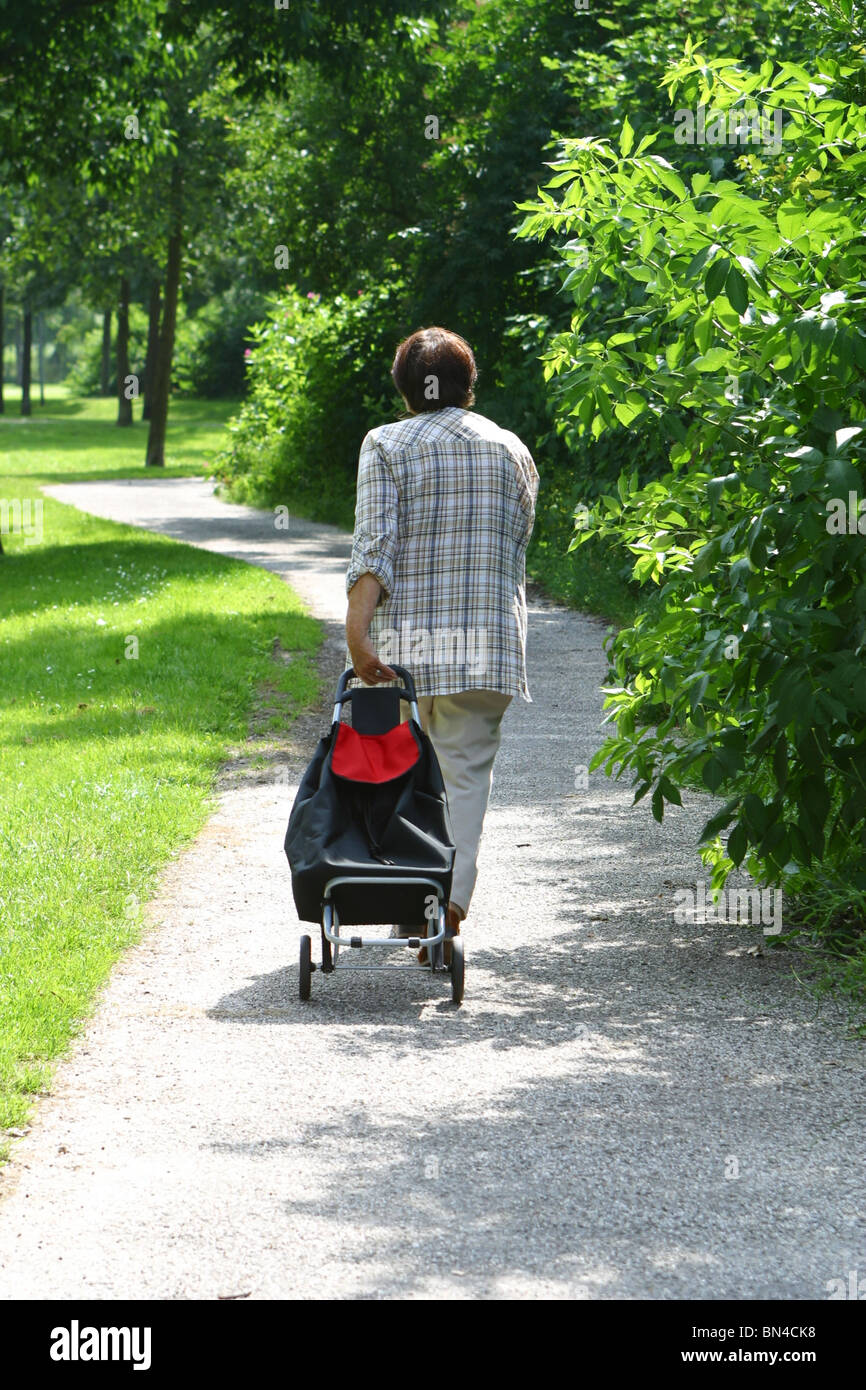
[{"x": 370, "y": 841}]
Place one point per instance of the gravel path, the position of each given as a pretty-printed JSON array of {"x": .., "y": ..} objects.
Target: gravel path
[{"x": 566, "y": 1134}]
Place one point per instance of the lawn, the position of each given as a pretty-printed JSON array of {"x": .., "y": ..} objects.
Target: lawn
[
  {"x": 129, "y": 665},
  {"x": 68, "y": 438}
]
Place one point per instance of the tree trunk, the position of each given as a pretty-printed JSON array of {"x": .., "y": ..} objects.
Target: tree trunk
[
  {"x": 2, "y": 363},
  {"x": 40, "y": 334},
  {"x": 155, "y": 457},
  {"x": 25, "y": 361},
  {"x": 124, "y": 400},
  {"x": 105, "y": 375},
  {"x": 152, "y": 346}
]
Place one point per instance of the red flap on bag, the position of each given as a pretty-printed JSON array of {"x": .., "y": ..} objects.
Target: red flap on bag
[{"x": 374, "y": 757}]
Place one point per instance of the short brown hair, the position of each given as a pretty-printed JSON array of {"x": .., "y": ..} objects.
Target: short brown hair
[{"x": 434, "y": 368}]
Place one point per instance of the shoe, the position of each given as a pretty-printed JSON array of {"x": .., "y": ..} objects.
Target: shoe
[{"x": 454, "y": 915}]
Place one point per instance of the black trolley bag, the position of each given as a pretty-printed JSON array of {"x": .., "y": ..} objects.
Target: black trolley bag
[{"x": 372, "y": 806}]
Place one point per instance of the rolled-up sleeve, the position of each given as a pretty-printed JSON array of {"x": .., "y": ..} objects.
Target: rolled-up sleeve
[
  {"x": 527, "y": 488},
  {"x": 374, "y": 545}
]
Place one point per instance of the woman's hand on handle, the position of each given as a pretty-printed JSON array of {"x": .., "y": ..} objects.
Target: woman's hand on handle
[{"x": 367, "y": 665}]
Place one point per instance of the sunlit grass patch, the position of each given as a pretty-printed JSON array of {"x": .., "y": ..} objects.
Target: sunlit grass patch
[{"x": 129, "y": 664}]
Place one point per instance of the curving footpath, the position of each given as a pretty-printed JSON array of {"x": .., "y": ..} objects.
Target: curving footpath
[{"x": 623, "y": 1107}]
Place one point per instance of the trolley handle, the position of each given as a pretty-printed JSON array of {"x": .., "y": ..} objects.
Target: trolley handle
[{"x": 405, "y": 692}]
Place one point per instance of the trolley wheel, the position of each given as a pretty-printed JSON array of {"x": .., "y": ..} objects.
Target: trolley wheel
[
  {"x": 327, "y": 957},
  {"x": 458, "y": 970},
  {"x": 305, "y": 974}
]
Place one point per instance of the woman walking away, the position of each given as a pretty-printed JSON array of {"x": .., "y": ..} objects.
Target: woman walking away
[{"x": 445, "y": 509}]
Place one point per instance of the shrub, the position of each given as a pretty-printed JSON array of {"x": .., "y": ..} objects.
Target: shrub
[
  {"x": 317, "y": 381},
  {"x": 209, "y": 347},
  {"x": 742, "y": 338}
]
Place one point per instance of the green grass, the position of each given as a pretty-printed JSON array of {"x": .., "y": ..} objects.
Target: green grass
[
  {"x": 107, "y": 758},
  {"x": 69, "y": 438}
]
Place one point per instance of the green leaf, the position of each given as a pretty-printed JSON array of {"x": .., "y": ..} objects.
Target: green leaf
[
  {"x": 674, "y": 352},
  {"x": 647, "y": 241},
  {"x": 698, "y": 261},
  {"x": 804, "y": 453},
  {"x": 698, "y": 690},
  {"x": 626, "y": 139},
  {"x": 737, "y": 845},
  {"x": 748, "y": 266},
  {"x": 714, "y": 280},
  {"x": 800, "y": 845},
  {"x": 647, "y": 139},
  {"x": 841, "y": 475},
  {"x": 812, "y": 833},
  {"x": 736, "y": 290},
  {"x": 706, "y": 558},
  {"x": 756, "y": 545},
  {"x": 626, "y": 411},
  {"x": 756, "y": 813},
  {"x": 704, "y": 330},
  {"x": 713, "y": 361},
  {"x": 814, "y": 799},
  {"x": 577, "y": 274},
  {"x": 667, "y": 176},
  {"x": 843, "y": 437},
  {"x": 791, "y": 218},
  {"x": 670, "y": 792},
  {"x": 832, "y": 300},
  {"x": 604, "y": 406},
  {"x": 719, "y": 821}
]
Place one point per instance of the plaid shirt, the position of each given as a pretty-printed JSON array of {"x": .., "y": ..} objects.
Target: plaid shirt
[{"x": 444, "y": 513}]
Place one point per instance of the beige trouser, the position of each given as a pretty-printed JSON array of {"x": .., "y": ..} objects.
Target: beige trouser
[{"x": 465, "y": 732}]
